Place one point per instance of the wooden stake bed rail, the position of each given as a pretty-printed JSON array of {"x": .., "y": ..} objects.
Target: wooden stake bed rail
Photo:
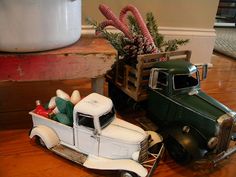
[{"x": 133, "y": 80}]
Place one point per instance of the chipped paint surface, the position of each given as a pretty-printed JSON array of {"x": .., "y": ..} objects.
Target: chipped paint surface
[
  {"x": 88, "y": 58},
  {"x": 54, "y": 67},
  {"x": 20, "y": 71}
]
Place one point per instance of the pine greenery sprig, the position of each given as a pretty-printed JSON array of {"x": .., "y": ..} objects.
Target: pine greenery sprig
[
  {"x": 153, "y": 28},
  {"x": 119, "y": 41},
  {"x": 115, "y": 39},
  {"x": 133, "y": 25},
  {"x": 170, "y": 45}
]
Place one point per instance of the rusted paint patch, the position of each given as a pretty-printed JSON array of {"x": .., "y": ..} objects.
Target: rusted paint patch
[
  {"x": 53, "y": 67},
  {"x": 87, "y": 58}
]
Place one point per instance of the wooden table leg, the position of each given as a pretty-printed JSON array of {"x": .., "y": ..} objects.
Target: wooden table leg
[{"x": 97, "y": 84}]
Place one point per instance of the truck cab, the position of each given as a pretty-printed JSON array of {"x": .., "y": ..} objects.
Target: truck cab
[
  {"x": 171, "y": 79},
  {"x": 195, "y": 123},
  {"x": 105, "y": 134}
]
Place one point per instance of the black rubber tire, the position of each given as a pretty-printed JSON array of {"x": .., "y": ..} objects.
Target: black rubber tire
[
  {"x": 40, "y": 141},
  {"x": 128, "y": 174},
  {"x": 177, "y": 151}
]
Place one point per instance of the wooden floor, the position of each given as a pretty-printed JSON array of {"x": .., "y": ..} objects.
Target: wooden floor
[{"x": 20, "y": 157}]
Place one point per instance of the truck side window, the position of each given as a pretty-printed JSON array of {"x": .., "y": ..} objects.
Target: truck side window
[
  {"x": 85, "y": 120},
  {"x": 162, "y": 78},
  {"x": 106, "y": 118}
]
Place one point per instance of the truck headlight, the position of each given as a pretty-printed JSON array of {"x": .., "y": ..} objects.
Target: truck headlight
[
  {"x": 212, "y": 142},
  {"x": 233, "y": 115}
]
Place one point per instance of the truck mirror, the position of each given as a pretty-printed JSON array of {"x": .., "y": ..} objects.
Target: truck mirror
[
  {"x": 202, "y": 68},
  {"x": 204, "y": 71}
]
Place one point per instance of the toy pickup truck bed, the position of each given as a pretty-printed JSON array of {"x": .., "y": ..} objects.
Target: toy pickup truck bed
[{"x": 65, "y": 132}]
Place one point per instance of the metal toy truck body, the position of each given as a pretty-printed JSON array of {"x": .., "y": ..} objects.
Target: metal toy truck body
[
  {"x": 98, "y": 139},
  {"x": 194, "y": 123}
]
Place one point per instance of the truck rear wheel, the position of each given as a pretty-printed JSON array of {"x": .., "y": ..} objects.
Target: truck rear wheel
[
  {"x": 128, "y": 174},
  {"x": 177, "y": 151}
]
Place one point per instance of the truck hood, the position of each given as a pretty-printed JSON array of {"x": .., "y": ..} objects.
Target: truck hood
[
  {"x": 202, "y": 104},
  {"x": 126, "y": 132}
]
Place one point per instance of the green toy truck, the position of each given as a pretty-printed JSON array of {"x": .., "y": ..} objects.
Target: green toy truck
[{"x": 195, "y": 125}]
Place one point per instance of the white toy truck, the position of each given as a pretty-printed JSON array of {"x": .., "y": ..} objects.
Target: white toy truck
[{"x": 99, "y": 140}]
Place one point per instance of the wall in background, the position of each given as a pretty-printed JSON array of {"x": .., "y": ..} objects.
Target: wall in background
[{"x": 171, "y": 13}]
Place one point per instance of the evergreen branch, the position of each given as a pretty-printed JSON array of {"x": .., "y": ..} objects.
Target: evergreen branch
[
  {"x": 153, "y": 28},
  {"x": 133, "y": 25},
  {"x": 172, "y": 45},
  {"x": 159, "y": 40},
  {"x": 92, "y": 22},
  {"x": 151, "y": 23},
  {"x": 115, "y": 39},
  {"x": 119, "y": 41}
]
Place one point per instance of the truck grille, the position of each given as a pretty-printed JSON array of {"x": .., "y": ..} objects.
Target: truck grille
[
  {"x": 226, "y": 124},
  {"x": 143, "y": 154}
]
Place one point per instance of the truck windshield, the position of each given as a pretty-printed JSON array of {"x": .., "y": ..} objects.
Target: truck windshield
[
  {"x": 186, "y": 81},
  {"x": 85, "y": 120},
  {"x": 106, "y": 118}
]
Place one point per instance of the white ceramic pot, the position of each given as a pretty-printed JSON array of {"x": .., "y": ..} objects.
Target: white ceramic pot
[{"x": 37, "y": 25}]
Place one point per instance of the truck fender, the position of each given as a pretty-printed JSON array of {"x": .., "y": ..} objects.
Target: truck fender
[
  {"x": 155, "y": 138},
  {"x": 95, "y": 162},
  {"x": 48, "y": 136},
  {"x": 192, "y": 141}
]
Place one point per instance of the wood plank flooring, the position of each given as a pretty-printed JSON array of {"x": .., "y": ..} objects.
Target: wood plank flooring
[{"x": 20, "y": 157}]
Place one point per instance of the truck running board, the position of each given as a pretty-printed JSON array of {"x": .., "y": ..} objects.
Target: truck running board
[{"x": 69, "y": 154}]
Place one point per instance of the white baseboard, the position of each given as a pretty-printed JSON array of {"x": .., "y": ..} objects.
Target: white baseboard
[
  {"x": 201, "y": 40},
  {"x": 221, "y": 24}
]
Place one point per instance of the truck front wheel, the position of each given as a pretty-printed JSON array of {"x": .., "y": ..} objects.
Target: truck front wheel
[
  {"x": 40, "y": 141},
  {"x": 177, "y": 151}
]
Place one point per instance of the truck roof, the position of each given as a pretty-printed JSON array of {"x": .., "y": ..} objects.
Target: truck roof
[
  {"x": 177, "y": 66},
  {"x": 94, "y": 104}
]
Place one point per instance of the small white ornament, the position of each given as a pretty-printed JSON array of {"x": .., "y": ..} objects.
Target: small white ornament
[
  {"x": 63, "y": 95},
  {"x": 75, "y": 97},
  {"x": 55, "y": 110},
  {"x": 52, "y": 103}
]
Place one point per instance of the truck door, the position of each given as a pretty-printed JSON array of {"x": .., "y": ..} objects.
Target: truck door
[
  {"x": 86, "y": 138},
  {"x": 159, "y": 80},
  {"x": 158, "y": 101}
]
